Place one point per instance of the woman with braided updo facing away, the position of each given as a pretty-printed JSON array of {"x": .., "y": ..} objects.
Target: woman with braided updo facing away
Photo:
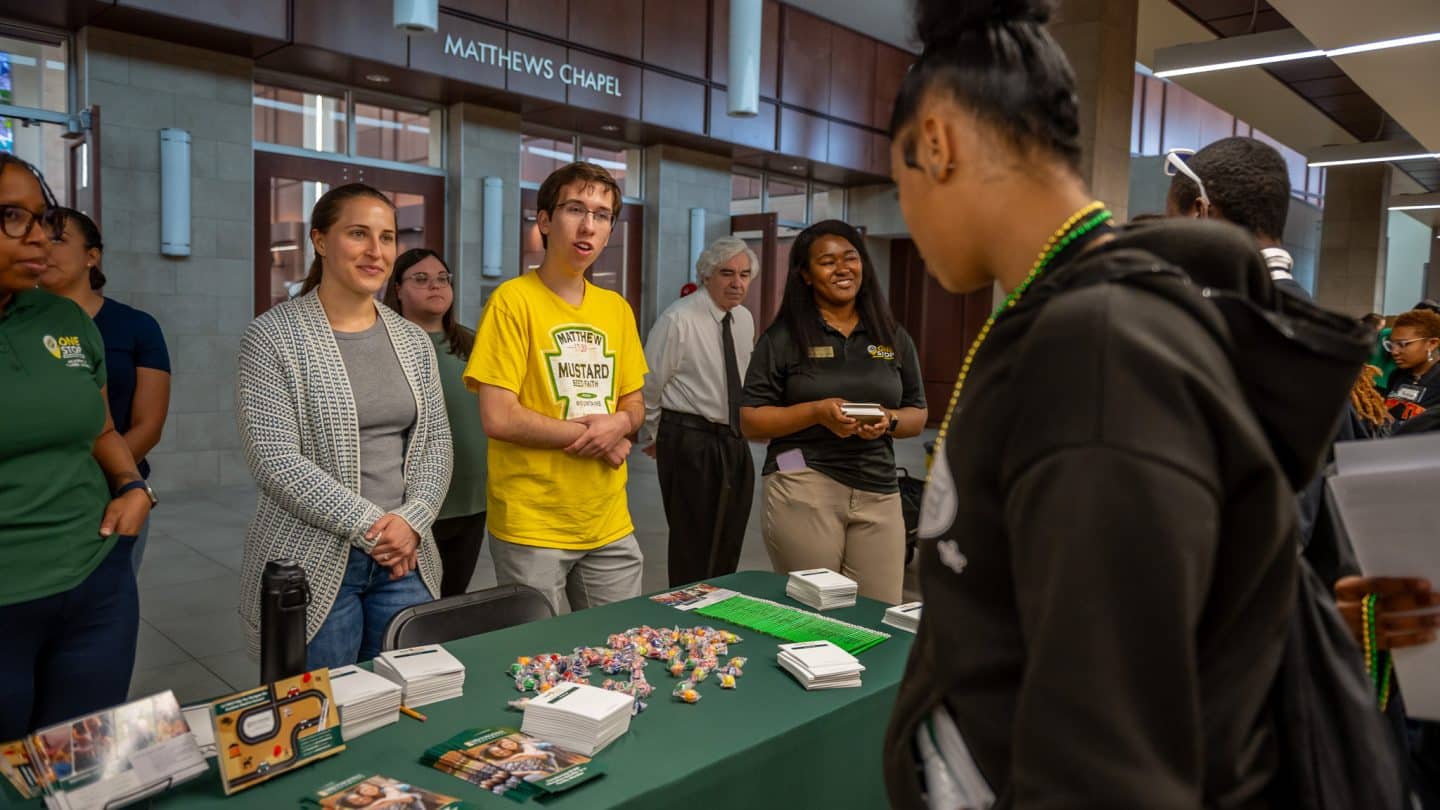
[{"x": 1108, "y": 576}]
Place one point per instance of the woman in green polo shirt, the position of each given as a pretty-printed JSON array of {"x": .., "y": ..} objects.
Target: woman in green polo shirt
[
  {"x": 69, "y": 488},
  {"x": 422, "y": 290}
]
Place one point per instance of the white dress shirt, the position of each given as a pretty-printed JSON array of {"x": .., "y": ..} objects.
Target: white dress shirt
[{"x": 687, "y": 360}]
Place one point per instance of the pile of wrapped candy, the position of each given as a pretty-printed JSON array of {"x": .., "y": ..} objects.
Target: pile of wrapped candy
[{"x": 692, "y": 655}]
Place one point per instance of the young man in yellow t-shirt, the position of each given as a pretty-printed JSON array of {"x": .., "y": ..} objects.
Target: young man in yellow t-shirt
[{"x": 559, "y": 369}]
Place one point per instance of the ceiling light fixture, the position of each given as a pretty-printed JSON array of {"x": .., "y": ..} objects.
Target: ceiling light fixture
[
  {"x": 1354, "y": 154},
  {"x": 1382, "y": 159},
  {"x": 610, "y": 127},
  {"x": 1415, "y": 207},
  {"x": 378, "y": 78},
  {"x": 1249, "y": 50}
]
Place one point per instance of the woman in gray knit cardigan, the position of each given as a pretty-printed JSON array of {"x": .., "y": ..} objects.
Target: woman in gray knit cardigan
[{"x": 343, "y": 420}]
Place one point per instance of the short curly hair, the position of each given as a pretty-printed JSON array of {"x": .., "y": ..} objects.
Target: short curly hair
[
  {"x": 1424, "y": 321},
  {"x": 1247, "y": 180}
]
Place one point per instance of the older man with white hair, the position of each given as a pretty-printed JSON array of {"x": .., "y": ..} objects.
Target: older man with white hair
[{"x": 698, "y": 351}]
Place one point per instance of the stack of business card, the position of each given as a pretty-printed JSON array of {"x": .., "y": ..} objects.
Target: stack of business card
[
  {"x": 366, "y": 700},
  {"x": 579, "y": 717},
  {"x": 866, "y": 413},
  {"x": 904, "y": 617},
  {"x": 428, "y": 674},
  {"x": 821, "y": 588},
  {"x": 820, "y": 665}
]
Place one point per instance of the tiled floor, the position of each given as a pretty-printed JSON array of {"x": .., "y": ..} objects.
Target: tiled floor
[{"x": 190, "y": 639}]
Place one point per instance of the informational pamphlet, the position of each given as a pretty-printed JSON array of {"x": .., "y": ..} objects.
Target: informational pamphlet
[
  {"x": 509, "y": 763},
  {"x": 693, "y": 597},
  {"x": 377, "y": 792},
  {"x": 114, "y": 757},
  {"x": 272, "y": 729}
]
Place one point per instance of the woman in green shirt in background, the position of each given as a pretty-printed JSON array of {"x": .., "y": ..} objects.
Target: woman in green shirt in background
[{"x": 421, "y": 289}]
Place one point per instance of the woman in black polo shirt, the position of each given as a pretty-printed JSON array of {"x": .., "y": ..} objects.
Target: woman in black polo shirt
[
  {"x": 69, "y": 488},
  {"x": 831, "y": 496},
  {"x": 1414, "y": 385}
]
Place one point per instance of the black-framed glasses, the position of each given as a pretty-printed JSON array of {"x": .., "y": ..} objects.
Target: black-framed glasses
[
  {"x": 578, "y": 212},
  {"x": 1392, "y": 345},
  {"x": 424, "y": 279},
  {"x": 16, "y": 221}
]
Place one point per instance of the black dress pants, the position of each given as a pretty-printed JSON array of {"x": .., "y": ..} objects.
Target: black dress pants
[
  {"x": 458, "y": 539},
  {"x": 707, "y": 481}
]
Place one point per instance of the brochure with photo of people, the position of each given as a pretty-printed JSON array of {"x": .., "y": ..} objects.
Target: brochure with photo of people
[
  {"x": 510, "y": 763},
  {"x": 693, "y": 597},
  {"x": 115, "y": 757},
  {"x": 376, "y": 792}
]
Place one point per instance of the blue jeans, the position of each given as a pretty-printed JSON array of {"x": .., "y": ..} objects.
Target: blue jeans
[
  {"x": 71, "y": 653},
  {"x": 367, "y": 601}
]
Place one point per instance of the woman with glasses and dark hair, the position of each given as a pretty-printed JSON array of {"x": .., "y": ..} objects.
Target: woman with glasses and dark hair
[
  {"x": 1414, "y": 343},
  {"x": 342, "y": 417},
  {"x": 69, "y": 488},
  {"x": 422, "y": 289},
  {"x": 832, "y": 499},
  {"x": 137, "y": 363}
]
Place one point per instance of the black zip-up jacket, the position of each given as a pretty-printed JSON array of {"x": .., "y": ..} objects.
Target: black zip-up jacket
[{"x": 1108, "y": 552}]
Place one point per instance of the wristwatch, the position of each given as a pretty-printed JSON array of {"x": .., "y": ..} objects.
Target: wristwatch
[
  {"x": 894, "y": 423},
  {"x": 140, "y": 484}
]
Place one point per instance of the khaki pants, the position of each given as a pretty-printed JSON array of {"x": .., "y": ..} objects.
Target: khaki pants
[
  {"x": 813, "y": 521},
  {"x": 586, "y": 579}
]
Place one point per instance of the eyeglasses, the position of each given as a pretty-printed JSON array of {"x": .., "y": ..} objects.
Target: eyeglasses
[
  {"x": 16, "y": 222},
  {"x": 576, "y": 212},
  {"x": 1177, "y": 161},
  {"x": 1392, "y": 345},
  {"x": 424, "y": 279}
]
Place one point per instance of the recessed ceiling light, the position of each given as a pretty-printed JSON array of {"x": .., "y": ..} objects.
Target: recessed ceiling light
[
  {"x": 610, "y": 127},
  {"x": 796, "y": 168},
  {"x": 378, "y": 78}
]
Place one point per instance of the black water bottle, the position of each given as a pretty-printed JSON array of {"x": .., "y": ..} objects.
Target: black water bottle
[{"x": 284, "y": 594}]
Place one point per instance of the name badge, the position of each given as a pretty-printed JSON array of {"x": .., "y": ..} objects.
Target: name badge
[
  {"x": 1409, "y": 393},
  {"x": 822, "y": 352}
]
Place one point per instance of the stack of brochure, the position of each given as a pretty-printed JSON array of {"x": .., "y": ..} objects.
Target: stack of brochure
[
  {"x": 904, "y": 617},
  {"x": 821, "y": 588},
  {"x": 820, "y": 665},
  {"x": 366, "y": 700},
  {"x": 579, "y": 717},
  {"x": 428, "y": 674}
]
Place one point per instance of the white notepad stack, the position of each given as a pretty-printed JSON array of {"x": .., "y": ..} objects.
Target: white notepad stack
[
  {"x": 821, "y": 588},
  {"x": 428, "y": 674},
  {"x": 579, "y": 717},
  {"x": 366, "y": 701},
  {"x": 904, "y": 617},
  {"x": 820, "y": 665}
]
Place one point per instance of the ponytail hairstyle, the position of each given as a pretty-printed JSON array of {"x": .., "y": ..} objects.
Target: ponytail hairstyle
[
  {"x": 995, "y": 58},
  {"x": 91, "y": 232},
  {"x": 461, "y": 340},
  {"x": 323, "y": 216}
]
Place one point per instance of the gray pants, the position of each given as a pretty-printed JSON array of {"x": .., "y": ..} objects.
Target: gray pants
[{"x": 599, "y": 576}]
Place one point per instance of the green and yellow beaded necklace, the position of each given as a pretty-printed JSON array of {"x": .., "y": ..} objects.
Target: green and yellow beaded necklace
[
  {"x": 1377, "y": 661},
  {"x": 1080, "y": 223}
]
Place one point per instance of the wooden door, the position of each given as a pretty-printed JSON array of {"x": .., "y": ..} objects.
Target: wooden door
[
  {"x": 942, "y": 324},
  {"x": 760, "y": 232}
]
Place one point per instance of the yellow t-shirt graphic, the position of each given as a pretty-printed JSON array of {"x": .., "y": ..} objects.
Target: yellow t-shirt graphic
[{"x": 564, "y": 362}]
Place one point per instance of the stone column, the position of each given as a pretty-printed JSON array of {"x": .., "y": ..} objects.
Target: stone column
[
  {"x": 1099, "y": 37},
  {"x": 677, "y": 180},
  {"x": 483, "y": 143},
  {"x": 1353, "y": 237}
]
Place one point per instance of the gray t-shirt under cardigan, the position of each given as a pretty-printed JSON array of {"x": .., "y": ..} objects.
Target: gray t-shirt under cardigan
[{"x": 385, "y": 407}]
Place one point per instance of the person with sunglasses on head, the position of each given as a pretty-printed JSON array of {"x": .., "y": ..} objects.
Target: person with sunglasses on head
[
  {"x": 1109, "y": 573},
  {"x": 342, "y": 420},
  {"x": 422, "y": 289},
  {"x": 69, "y": 487},
  {"x": 1414, "y": 343},
  {"x": 1244, "y": 181},
  {"x": 559, "y": 368},
  {"x": 137, "y": 362}
]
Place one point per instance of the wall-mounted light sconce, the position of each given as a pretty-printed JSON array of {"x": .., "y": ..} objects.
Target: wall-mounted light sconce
[
  {"x": 174, "y": 192},
  {"x": 492, "y": 221},
  {"x": 697, "y": 238}
]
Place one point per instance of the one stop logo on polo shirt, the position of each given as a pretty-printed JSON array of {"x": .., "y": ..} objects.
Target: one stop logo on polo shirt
[
  {"x": 881, "y": 352},
  {"x": 67, "y": 348}
]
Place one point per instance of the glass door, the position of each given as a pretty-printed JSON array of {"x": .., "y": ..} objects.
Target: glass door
[{"x": 286, "y": 189}]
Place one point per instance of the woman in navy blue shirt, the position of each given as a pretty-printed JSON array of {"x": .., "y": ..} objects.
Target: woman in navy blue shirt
[{"x": 136, "y": 359}]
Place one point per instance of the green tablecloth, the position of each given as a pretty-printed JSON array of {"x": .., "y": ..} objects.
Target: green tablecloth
[{"x": 768, "y": 743}]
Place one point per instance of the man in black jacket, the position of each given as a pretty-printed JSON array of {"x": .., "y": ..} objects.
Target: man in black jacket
[{"x": 1246, "y": 182}]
